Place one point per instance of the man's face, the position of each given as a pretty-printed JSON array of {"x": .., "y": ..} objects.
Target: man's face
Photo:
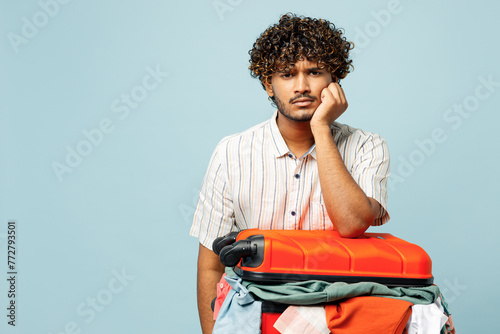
[{"x": 297, "y": 92}]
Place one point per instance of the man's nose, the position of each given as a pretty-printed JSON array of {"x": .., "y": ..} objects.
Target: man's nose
[{"x": 301, "y": 84}]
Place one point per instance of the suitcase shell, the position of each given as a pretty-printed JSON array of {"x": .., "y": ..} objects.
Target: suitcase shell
[{"x": 277, "y": 256}]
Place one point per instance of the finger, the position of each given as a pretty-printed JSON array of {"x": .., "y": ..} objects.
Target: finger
[
  {"x": 327, "y": 95},
  {"x": 335, "y": 90},
  {"x": 342, "y": 96},
  {"x": 340, "y": 93}
]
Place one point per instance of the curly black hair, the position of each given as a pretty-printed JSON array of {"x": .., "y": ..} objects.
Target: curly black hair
[{"x": 295, "y": 38}]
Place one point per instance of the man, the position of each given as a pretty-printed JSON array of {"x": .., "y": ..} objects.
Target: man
[{"x": 300, "y": 169}]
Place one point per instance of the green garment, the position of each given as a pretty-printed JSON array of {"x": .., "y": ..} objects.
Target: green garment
[{"x": 318, "y": 292}]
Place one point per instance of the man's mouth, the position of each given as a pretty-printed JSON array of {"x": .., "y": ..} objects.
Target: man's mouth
[{"x": 303, "y": 102}]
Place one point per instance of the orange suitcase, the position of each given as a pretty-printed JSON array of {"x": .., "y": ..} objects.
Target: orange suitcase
[{"x": 277, "y": 256}]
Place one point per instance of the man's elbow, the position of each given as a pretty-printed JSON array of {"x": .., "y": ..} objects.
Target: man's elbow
[{"x": 355, "y": 227}]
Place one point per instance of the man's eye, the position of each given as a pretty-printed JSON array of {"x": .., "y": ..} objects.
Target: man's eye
[
  {"x": 315, "y": 73},
  {"x": 286, "y": 75}
]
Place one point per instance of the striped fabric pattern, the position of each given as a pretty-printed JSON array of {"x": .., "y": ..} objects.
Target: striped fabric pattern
[{"x": 254, "y": 181}]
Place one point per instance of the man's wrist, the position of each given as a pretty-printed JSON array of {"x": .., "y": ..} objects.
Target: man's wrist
[{"x": 320, "y": 128}]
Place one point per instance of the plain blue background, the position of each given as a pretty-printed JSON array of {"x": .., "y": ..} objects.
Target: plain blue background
[{"x": 126, "y": 207}]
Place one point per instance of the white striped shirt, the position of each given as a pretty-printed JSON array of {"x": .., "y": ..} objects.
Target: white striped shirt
[{"x": 254, "y": 181}]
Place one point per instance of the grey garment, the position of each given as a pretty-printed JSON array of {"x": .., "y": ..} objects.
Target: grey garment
[{"x": 318, "y": 292}]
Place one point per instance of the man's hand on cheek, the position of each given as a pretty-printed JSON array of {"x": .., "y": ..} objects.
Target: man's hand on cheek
[{"x": 333, "y": 104}]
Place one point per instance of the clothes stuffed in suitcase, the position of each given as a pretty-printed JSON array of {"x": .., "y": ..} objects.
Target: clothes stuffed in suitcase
[
  {"x": 279, "y": 256},
  {"x": 270, "y": 314}
]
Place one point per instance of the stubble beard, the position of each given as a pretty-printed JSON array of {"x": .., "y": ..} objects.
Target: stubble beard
[{"x": 285, "y": 111}]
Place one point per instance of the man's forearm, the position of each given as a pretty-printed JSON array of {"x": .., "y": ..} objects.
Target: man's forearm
[
  {"x": 348, "y": 207},
  {"x": 207, "y": 283},
  {"x": 210, "y": 271}
]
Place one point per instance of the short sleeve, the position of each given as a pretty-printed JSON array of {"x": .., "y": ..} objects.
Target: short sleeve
[
  {"x": 214, "y": 214},
  {"x": 370, "y": 170}
]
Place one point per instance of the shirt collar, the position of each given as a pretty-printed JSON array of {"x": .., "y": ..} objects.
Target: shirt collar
[
  {"x": 279, "y": 143},
  {"x": 280, "y": 147},
  {"x": 312, "y": 151}
]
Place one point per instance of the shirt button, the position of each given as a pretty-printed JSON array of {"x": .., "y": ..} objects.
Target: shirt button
[
  {"x": 293, "y": 213},
  {"x": 290, "y": 156},
  {"x": 297, "y": 176}
]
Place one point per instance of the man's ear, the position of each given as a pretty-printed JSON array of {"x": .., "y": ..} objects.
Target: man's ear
[{"x": 268, "y": 87}]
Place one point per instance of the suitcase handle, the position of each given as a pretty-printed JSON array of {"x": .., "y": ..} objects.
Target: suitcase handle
[
  {"x": 224, "y": 241},
  {"x": 232, "y": 254},
  {"x": 249, "y": 250}
]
